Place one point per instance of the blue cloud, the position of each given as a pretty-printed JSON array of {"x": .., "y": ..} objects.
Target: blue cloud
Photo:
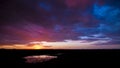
[
  {"x": 100, "y": 11},
  {"x": 45, "y": 6},
  {"x": 108, "y": 17}
]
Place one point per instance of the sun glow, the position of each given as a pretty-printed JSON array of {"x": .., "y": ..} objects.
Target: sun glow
[{"x": 37, "y": 47}]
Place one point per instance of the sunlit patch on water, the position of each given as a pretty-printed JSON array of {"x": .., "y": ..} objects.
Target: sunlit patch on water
[{"x": 39, "y": 58}]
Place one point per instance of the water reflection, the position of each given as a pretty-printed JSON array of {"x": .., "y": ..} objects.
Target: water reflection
[{"x": 39, "y": 58}]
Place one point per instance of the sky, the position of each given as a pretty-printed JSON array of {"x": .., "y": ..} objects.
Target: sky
[{"x": 60, "y": 24}]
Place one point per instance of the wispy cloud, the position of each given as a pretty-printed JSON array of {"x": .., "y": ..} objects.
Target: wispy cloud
[{"x": 95, "y": 37}]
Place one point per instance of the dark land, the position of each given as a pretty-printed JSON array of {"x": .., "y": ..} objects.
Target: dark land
[{"x": 14, "y": 58}]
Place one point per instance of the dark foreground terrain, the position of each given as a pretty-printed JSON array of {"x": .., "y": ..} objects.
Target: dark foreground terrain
[{"x": 14, "y": 58}]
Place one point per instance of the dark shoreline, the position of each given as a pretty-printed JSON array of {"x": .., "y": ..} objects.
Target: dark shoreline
[{"x": 77, "y": 57}]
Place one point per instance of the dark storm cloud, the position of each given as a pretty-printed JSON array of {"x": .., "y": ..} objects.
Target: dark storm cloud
[
  {"x": 38, "y": 11},
  {"x": 30, "y": 20}
]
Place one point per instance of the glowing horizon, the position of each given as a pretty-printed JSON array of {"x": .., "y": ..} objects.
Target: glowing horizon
[{"x": 67, "y": 44}]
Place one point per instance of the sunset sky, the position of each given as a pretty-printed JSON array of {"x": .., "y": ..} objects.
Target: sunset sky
[{"x": 59, "y": 24}]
